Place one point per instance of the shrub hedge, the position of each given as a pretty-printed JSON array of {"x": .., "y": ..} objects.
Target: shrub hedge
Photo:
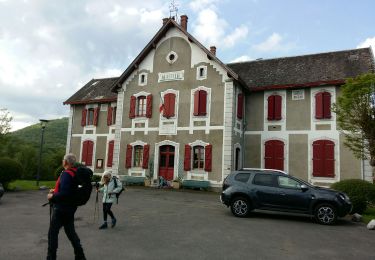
[
  {"x": 360, "y": 192},
  {"x": 10, "y": 170}
]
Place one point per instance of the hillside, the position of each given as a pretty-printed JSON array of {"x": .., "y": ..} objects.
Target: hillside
[{"x": 55, "y": 134}]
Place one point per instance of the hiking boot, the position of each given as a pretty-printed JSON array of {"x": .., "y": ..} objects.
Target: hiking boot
[
  {"x": 114, "y": 222},
  {"x": 103, "y": 226}
]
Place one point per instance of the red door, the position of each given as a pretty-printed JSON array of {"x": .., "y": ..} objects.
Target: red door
[
  {"x": 323, "y": 158},
  {"x": 274, "y": 155},
  {"x": 166, "y": 162}
]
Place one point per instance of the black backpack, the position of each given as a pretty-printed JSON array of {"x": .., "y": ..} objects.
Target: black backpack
[
  {"x": 82, "y": 183},
  {"x": 115, "y": 186}
]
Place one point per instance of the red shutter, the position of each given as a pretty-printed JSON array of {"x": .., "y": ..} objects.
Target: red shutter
[
  {"x": 326, "y": 105},
  {"x": 166, "y": 106},
  {"x": 202, "y": 103},
  {"x": 268, "y": 155},
  {"x": 109, "y": 115},
  {"x": 83, "y": 119},
  {"x": 240, "y": 106},
  {"x": 271, "y": 107},
  {"x": 319, "y": 106},
  {"x": 133, "y": 101},
  {"x": 90, "y": 152},
  {"x": 129, "y": 155},
  {"x": 278, "y": 155},
  {"x": 318, "y": 158},
  {"x": 196, "y": 103},
  {"x": 169, "y": 105},
  {"x": 96, "y": 115},
  {"x": 110, "y": 153},
  {"x": 208, "y": 158},
  {"x": 149, "y": 106},
  {"x": 277, "y": 115},
  {"x": 84, "y": 152},
  {"x": 187, "y": 161},
  {"x": 146, "y": 153},
  {"x": 329, "y": 155}
]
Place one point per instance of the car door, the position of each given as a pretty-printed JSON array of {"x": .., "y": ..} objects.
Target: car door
[
  {"x": 265, "y": 191},
  {"x": 291, "y": 196}
]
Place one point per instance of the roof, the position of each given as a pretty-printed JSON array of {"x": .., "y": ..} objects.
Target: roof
[
  {"x": 305, "y": 71},
  {"x": 152, "y": 44},
  {"x": 95, "y": 91}
]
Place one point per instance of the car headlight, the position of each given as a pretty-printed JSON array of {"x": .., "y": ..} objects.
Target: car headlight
[{"x": 343, "y": 196}]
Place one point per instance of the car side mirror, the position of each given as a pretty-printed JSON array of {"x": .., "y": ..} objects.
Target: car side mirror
[{"x": 304, "y": 187}]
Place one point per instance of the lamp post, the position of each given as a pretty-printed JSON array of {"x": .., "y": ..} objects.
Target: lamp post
[{"x": 43, "y": 123}]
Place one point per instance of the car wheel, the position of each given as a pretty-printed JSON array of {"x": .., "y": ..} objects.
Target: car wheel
[
  {"x": 240, "y": 207},
  {"x": 325, "y": 214}
]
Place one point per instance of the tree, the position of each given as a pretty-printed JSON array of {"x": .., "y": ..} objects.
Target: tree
[
  {"x": 355, "y": 109},
  {"x": 5, "y": 120}
]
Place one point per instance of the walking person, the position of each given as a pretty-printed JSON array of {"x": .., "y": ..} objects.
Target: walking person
[
  {"x": 111, "y": 186},
  {"x": 63, "y": 210}
]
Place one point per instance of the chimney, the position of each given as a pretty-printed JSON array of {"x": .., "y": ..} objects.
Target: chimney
[
  {"x": 184, "y": 21},
  {"x": 165, "y": 20},
  {"x": 213, "y": 50}
]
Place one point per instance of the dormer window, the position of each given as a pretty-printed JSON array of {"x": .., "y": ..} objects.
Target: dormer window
[
  {"x": 171, "y": 57},
  {"x": 201, "y": 72},
  {"x": 142, "y": 81}
]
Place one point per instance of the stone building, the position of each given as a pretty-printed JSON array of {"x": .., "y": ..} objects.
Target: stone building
[{"x": 177, "y": 111}]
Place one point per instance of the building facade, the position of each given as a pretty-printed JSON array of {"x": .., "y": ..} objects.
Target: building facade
[{"x": 177, "y": 111}]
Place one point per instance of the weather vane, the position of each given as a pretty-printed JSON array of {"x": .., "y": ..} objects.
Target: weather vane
[{"x": 173, "y": 8}]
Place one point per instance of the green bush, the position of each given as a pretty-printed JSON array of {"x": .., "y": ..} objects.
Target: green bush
[
  {"x": 10, "y": 170},
  {"x": 360, "y": 192},
  {"x": 96, "y": 178}
]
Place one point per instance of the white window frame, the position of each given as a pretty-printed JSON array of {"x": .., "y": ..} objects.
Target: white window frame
[
  {"x": 136, "y": 171},
  {"x": 169, "y": 121},
  {"x": 196, "y": 174},
  {"x": 199, "y": 77},
  {"x": 171, "y": 61},
  {"x": 207, "y": 118},
  {"x": 140, "y": 83}
]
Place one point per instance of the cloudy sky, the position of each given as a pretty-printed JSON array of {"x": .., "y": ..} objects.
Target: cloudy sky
[{"x": 51, "y": 48}]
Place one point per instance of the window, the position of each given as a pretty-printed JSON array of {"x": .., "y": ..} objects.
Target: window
[
  {"x": 323, "y": 158},
  {"x": 111, "y": 115},
  {"x": 137, "y": 156},
  {"x": 240, "y": 98},
  {"x": 264, "y": 180},
  {"x": 323, "y": 105},
  {"x": 198, "y": 162},
  {"x": 171, "y": 57},
  {"x": 286, "y": 182},
  {"x": 200, "y": 103},
  {"x": 141, "y": 106},
  {"x": 202, "y": 158},
  {"x": 274, "y": 107},
  {"x": 142, "y": 80},
  {"x": 87, "y": 152},
  {"x": 274, "y": 155},
  {"x": 242, "y": 177},
  {"x": 90, "y": 116},
  {"x": 201, "y": 72},
  {"x": 169, "y": 105}
]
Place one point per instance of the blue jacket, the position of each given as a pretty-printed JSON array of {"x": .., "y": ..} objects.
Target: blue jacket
[{"x": 63, "y": 198}]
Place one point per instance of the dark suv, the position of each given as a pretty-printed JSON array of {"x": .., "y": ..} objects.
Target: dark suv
[{"x": 249, "y": 189}]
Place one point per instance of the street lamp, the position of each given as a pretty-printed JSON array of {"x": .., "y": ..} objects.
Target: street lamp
[{"x": 43, "y": 123}]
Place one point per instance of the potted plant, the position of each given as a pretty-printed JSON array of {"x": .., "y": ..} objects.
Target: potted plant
[{"x": 176, "y": 183}]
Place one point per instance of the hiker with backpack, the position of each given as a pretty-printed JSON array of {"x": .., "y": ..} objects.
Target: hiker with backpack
[
  {"x": 112, "y": 186},
  {"x": 62, "y": 201}
]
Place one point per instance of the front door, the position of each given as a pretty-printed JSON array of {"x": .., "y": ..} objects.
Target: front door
[{"x": 166, "y": 162}]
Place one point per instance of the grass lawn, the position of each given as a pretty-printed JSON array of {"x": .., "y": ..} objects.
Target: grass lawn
[
  {"x": 369, "y": 214},
  {"x": 29, "y": 185}
]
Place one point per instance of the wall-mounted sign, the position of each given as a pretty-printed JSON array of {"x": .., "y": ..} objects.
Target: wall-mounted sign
[
  {"x": 171, "y": 76},
  {"x": 298, "y": 94}
]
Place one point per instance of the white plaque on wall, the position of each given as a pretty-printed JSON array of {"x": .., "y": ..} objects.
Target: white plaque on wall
[
  {"x": 171, "y": 76},
  {"x": 298, "y": 94}
]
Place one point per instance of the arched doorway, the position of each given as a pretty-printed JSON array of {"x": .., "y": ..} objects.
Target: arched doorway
[{"x": 166, "y": 161}]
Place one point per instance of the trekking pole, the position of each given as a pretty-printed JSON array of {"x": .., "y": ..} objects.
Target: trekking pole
[{"x": 96, "y": 206}]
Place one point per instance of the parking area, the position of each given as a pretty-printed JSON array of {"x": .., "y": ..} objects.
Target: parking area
[{"x": 177, "y": 224}]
